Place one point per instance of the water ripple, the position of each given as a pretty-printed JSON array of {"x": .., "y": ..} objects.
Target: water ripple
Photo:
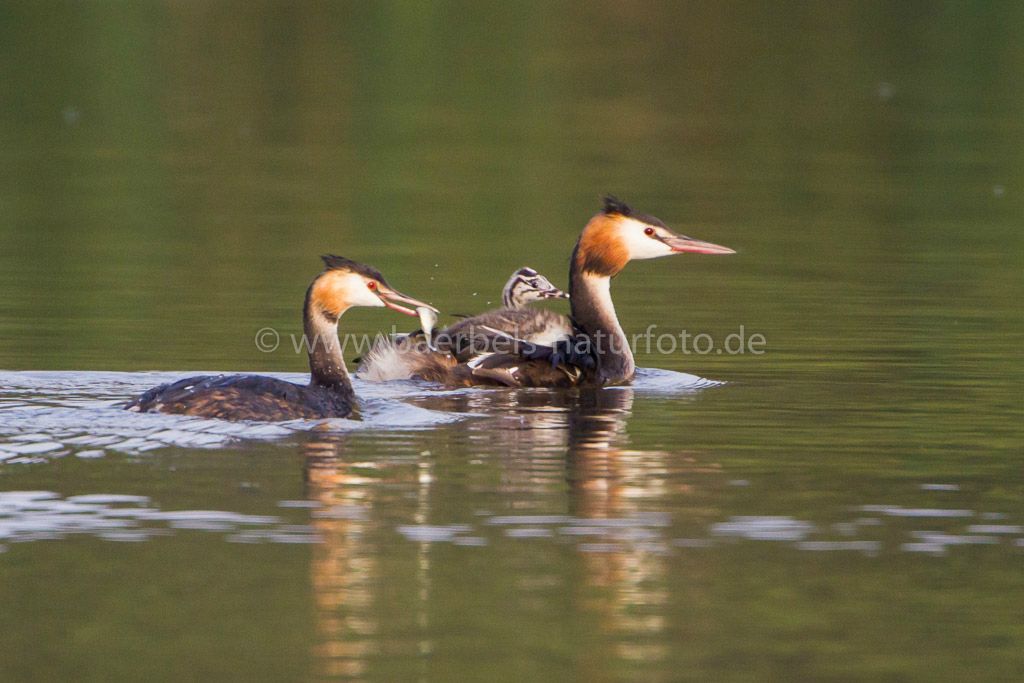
[
  {"x": 27, "y": 516},
  {"x": 651, "y": 532},
  {"x": 46, "y": 415}
]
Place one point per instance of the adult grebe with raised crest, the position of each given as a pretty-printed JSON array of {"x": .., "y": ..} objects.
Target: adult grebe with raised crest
[{"x": 342, "y": 285}]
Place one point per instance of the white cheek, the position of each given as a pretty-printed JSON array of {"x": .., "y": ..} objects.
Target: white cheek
[
  {"x": 368, "y": 298},
  {"x": 641, "y": 246},
  {"x": 358, "y": 294}
]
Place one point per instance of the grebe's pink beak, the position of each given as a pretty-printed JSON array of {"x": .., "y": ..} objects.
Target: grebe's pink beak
[{"x": 681, "y": 244}]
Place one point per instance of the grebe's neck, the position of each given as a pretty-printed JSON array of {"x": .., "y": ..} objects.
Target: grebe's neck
[
  {"x": 590, "y": 300},
  {"x": 326, "y": 364}
]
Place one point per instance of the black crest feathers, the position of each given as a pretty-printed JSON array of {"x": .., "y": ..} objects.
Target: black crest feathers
[
  {"x": 612, "y": 205},
  {"x": 333, "y": 262}
]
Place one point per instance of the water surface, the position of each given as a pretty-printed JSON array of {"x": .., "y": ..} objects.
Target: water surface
[{"x": 847, "y": 505}]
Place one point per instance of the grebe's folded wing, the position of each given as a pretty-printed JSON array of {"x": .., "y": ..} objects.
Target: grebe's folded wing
[{"x": 491, "y": 331}]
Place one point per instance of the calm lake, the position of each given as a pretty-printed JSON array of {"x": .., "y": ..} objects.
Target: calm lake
[{"x": 847, "y": 504}]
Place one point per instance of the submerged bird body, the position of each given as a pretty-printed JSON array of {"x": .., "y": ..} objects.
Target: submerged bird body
[{"x": 343, "y": 285}]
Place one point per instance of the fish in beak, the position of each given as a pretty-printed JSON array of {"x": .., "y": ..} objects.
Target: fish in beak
[{"x": 428, "y": 319}]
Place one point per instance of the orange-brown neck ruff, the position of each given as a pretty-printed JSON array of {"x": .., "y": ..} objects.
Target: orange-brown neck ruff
[
  {"x": 600, "y": 254},
  {"x": 320, "y": 323},
  {"x": 326, "y": 297},
  {"x": 600, "y": 250}
]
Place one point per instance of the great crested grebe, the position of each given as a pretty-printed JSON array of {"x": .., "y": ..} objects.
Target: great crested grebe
[
  {"x": 342, "y": 285},
  {"x": 610, "y": 240},
  {"x": 397, "y": 357}
]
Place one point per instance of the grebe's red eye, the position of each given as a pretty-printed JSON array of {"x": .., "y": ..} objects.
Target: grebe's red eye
[
  {"x": 648, "y": 231},
  {"x": 371, "y": 284}
]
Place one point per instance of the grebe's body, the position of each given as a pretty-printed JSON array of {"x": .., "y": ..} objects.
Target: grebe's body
[
  {"x": 589, "y": 348},
  {"x": 478, "y": 334},
  {"x": 341, "y": 286},
  {"x": 246, "y": 397},
  {"x": 434, "y": 354}
]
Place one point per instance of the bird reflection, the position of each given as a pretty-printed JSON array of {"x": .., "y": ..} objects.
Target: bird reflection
[
  {"x": 570, "y": 448},
  {"x": 607, "y": 480},
  {"x": 343, "y": 567}
]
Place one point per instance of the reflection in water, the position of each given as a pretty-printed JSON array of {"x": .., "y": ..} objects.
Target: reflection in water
[
  {"x": 547, "y": 495},
  {"x": 610, "y": 481},
  {"x": 575, "y": 441},
  {"x": 535, "y": 503},
  {"x": 602, "y": 476},
  {"x": 343, "y": 567},
  {"x": 570, "y": 482}
]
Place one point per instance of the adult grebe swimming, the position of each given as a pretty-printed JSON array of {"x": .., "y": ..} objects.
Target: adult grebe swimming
[
  {"x": 610, "y": 240},
  {"x": 342, "y": 285}
]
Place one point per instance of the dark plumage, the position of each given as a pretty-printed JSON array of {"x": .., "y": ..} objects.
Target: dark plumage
[
  {"x": 613, "y": 206},
  {"x": 333, "y": 262},
  {"x": 512, "y": 370},
  {"x": 245, "y": 397}
]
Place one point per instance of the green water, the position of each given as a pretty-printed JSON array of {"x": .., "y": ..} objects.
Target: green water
[{"x": 169, "y": 175}]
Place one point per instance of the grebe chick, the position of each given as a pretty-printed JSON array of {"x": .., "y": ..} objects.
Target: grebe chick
[
  {"x": 477, "y": 334},
  {"x": 526, "y": 286},
  {"x": 396, "y": 357},
  {"x": 342, "y": 285}
]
